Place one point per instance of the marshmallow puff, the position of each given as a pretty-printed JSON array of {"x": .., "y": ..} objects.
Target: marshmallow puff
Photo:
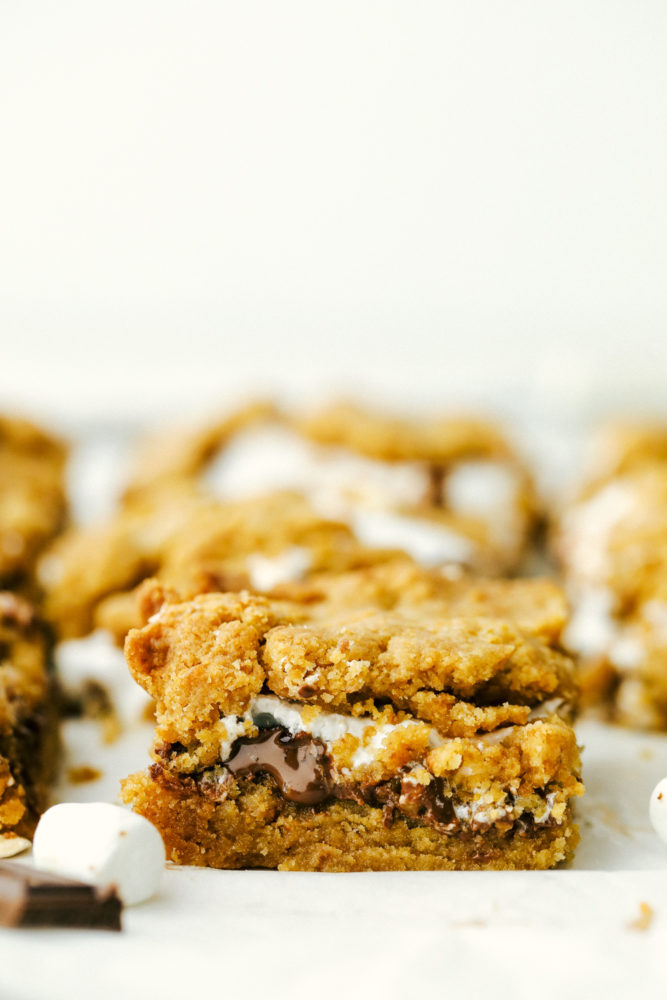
[{"x": 102, "y": 844}]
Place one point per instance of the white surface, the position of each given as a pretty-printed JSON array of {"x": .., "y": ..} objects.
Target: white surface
[
  {"x": 658, "y": 809},
  {"x": 420, "y": 199}
]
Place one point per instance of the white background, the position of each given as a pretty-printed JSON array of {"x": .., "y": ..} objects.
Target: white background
[{"x": 426, "y": 199}]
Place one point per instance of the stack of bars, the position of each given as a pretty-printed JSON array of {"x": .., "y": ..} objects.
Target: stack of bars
[{"x": 32, "y": 512}]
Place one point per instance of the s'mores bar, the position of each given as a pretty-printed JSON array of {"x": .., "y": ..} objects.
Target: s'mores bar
[
  {"x": 449, "y": 491},
  {"x": 317, "y": 736},
  {"x": 612, "y": 544}
]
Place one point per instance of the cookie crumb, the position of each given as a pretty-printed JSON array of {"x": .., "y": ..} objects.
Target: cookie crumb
[
  {"x": 644, "y": 920},
  {"x": 83, "y": 774}
]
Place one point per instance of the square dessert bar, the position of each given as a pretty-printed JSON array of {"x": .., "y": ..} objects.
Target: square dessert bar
[
  {"x": 612, "y": 544},
  {"x": 446, "y": 490},
  {"x": 311, "y": 736},
  {"x": 28, "y": 715}
]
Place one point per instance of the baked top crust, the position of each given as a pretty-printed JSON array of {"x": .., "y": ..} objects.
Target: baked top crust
[{"x": 213, "y": 654}]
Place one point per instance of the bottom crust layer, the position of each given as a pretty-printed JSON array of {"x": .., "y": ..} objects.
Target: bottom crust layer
[{"x": 260, "y": 829}]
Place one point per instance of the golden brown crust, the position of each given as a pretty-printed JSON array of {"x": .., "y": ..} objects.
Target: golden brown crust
[
  {"x": 622, "y": 445},
  {"x": 384, "y": 656},
  {"x": 199, "y": 660},
  {"x": 194, "y": 543},
  {"x": 388, "y": 438},
  {"x": 32, "y": 494},
  {"x": 176, "y": 456},
  {"x": 537, "y": 605}
]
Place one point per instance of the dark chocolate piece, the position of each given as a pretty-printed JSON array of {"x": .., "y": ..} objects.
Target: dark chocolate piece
[{"x": 32, "y": 898}]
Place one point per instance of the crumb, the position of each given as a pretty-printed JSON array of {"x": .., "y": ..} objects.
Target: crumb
[
  {"x": 646, "y": 753},
  {"x": 83, "y": 774},
  {"x": 603, "y": 813},
  {"x": 644, "y": 920},
  {"x": 111, "y": 727}
]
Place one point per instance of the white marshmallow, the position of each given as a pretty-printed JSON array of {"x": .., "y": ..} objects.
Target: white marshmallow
[
  {"x": 267, "y": 572},
  {"x": 657, "y": 809},
  {"x": 103, "y": 844},
  {"x": 429, "y": 543}
]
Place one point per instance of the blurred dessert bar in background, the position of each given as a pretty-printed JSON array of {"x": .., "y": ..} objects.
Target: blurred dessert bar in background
[
  {"x": 33, "y": 508},
  {"x": 611, "y": 541},
  {"x": 262, "y": 498}
]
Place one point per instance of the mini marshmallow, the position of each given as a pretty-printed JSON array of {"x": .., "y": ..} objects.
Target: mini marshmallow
[
  {"x": 657, "y": 809},
  {"x": 102, "y": 844}
]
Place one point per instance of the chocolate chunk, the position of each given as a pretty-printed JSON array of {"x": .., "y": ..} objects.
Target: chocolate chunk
[
  {"x": 299, "y": 764},
  {"x": 31, "y": 898}
]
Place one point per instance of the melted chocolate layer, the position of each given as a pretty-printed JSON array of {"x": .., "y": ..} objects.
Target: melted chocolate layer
[
  {"x": 302, "y": 770},
  {"x": 299, "y": 764}
]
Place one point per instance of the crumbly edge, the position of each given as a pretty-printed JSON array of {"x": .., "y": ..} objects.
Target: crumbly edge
[
  {"x": 29, "y": 741},
  {"x": 259, "y": 830}
]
